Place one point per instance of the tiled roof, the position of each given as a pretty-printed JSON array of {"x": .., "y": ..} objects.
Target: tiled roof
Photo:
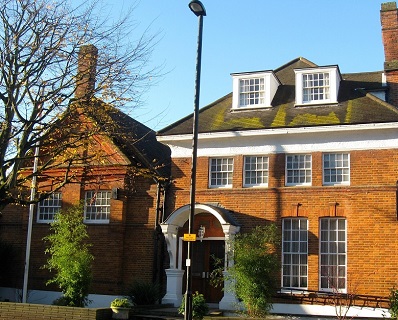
[
  {"x": 137, "y": 142},
  {"x": 355, "y": 106}
]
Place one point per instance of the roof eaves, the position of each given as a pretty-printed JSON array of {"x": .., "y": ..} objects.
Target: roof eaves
[{"x": 250, "y": 72}]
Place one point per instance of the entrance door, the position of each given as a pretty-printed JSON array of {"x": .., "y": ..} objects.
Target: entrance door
[{"x": 204, "y": 257}]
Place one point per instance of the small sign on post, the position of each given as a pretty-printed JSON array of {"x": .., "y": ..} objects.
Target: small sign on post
[{"x": 189, "y": 237}]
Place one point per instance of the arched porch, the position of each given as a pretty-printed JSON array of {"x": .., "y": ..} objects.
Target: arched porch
[{"x": 175, "y": 274}]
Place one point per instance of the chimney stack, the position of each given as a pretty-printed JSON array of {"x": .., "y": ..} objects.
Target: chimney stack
[
  {"x": 389, "y": 26},
  {"x": 87, "y": 67}
]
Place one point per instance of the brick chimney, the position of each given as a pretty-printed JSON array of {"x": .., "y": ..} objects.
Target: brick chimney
[
  {"x": 389, "y": 27},
  {"x": 87, "y": 65}
]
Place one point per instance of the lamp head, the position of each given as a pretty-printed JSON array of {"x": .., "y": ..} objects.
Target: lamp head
[{"x": 197, "y": 8}]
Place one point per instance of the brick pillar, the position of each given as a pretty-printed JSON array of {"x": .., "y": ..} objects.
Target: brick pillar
[
  {"x": 87, "y": 65},
  {"x": 389, "y": 26}
]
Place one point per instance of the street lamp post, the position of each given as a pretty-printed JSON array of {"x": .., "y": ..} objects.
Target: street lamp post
[{"x": 199, "y": 10}]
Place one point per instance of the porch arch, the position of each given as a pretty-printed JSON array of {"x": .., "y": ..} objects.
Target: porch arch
[{"x": 175, "y": 273}]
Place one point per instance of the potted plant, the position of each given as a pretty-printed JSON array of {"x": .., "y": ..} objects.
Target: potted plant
[
  {"x": 121, "y": 308},
  {"x": 199, "y": 306}
]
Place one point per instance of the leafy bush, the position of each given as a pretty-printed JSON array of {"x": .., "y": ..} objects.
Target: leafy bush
[
  {"x": 393, "y": 303},
  {"x": 256, "y": 268},
  {"x": 70, "y": 258},
  {"x": 199, "y": 306},
  {"x": 143, "y": 293}
]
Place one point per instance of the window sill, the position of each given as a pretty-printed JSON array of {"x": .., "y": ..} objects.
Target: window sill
[
  {"x": 249, "y": 186},
  {"x": 221, "y": 187},
  {"x": 96, "y": 222},
  {"x": 347, "y": 184},
  {"x": 250, "y": 108},
  {"x": 316, "y": 104}
]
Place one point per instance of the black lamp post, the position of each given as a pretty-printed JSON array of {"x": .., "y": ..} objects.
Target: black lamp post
[{"x": 199, "y": 10}]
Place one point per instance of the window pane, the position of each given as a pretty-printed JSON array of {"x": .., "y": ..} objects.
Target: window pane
[
  {"x": 333, "y": 255},
  {"x": 49, "y": 207},
  {"x": 256, "y": 171},
  {"x": 97, "y": 206},
  {"x": 295, "y": 235},
  {"x": 298, "y": 169},
  {"x": 315, "y": 87},
  {"x": 251, "y": 92},
  {"x": 336, "y": 168},
  {"x": 221, "y": 170}
]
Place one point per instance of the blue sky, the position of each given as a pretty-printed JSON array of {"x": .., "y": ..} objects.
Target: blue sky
[{"x": 249, "y": 35}]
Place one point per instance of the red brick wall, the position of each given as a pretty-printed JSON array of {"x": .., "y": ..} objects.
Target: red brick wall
[
  {"x": 368, "y": 204},
  {"x": 123, "y": 249}
]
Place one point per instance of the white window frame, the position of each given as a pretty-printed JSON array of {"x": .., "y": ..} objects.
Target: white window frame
[
  {"x": 333, "y": 254},
  {"x": 332, "y": 87},
  {"x": 265, "y": 94},
  {"x": 97, "y": 206},
  {"x": 296, "y": 169},
  {"x": 49, "y": 207},
  {"x": 256, "y": 168},
  {"x": 294, "y": 253},
  {"x": 251, "y": 92},
  {"x": 316, "y": 87},
  {"x": 340, "y": 170},
  {"x": 220, "y": 171}
]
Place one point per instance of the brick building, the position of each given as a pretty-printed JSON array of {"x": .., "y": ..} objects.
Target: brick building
[
  {"x": 306, "y": 147},
  {"x": 121, "y": 183}
]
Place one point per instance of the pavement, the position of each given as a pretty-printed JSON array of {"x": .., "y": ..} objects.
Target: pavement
[{"x": 171, "y": 313}]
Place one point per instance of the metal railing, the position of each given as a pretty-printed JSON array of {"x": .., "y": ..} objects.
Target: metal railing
[{"x": 304, "y": 296}]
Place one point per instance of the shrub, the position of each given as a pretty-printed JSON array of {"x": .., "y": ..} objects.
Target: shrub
[
  {"x": 256, "y": 268},
  {"x": 393, "y": 303},
  {"x": 70, "y": 258},
  {"x": 199, "y": 306},
  {"x": 143, "y": 293}
]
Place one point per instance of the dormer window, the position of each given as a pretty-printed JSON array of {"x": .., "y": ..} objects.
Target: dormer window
[
  {"x": 317, "y": 85},
  {"x": 253, "y": 90}
]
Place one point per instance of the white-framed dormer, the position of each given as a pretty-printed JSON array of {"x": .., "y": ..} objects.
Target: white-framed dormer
[
  {"x": 318, "y": 85},
  {"x": 253, "y": 89}
]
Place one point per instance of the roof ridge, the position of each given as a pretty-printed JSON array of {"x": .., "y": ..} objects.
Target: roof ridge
[{"x": 294, "y": 61}]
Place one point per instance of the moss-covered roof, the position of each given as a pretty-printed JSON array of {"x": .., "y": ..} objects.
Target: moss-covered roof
[{"x": 355, "y": 106}]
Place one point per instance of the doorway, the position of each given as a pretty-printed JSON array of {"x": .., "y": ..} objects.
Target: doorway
[{"x": 207, "y": 255}]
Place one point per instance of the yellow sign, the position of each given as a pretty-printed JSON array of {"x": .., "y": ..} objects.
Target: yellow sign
[{"x": 189, "y": 237}]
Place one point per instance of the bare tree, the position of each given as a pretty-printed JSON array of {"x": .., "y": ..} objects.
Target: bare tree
[{"x": 42, "y": 86}]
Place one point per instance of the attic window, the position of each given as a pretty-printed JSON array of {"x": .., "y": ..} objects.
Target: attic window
[
  {"x": 253, "y": 90},
  {"x": 317, "y": 85}
]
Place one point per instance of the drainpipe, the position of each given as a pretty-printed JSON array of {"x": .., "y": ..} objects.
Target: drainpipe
[
  {"x": 158, "y": 244},
  {"x": 155, "y": 234}
]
